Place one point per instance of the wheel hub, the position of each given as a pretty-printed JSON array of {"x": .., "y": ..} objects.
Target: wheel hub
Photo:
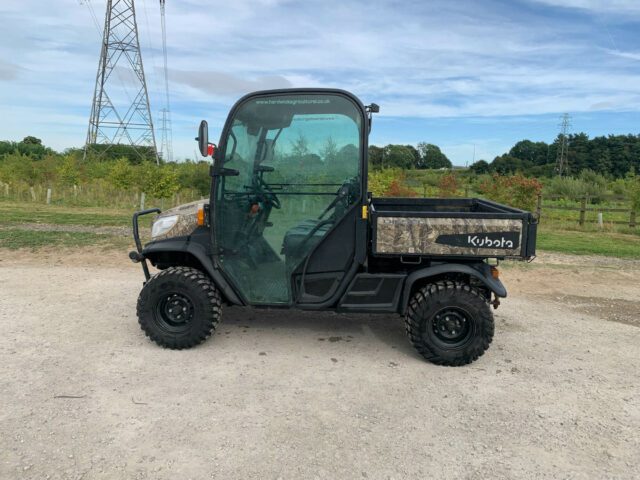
[
  {"x": 175, "y": 310},
  {"x": 450, "y": 325}
]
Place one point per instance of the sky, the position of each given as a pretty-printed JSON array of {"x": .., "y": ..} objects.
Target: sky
[{"x": 472, "y": 77}]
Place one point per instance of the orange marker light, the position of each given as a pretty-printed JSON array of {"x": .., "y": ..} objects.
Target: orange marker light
[
  {"x": 495, "y": 273},
  {"x": 201, "y": 217}
]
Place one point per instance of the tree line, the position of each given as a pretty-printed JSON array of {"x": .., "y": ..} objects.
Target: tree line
[
  {"x": 406, "y": 157},
  {"x": 613, "y": 156}
]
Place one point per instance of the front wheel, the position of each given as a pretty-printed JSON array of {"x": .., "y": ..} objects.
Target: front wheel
[
  {"x": 179, "y": 307},
  {"x": 449, "y": 323}
]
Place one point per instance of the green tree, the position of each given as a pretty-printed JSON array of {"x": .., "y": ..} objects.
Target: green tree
[
  {"x": 300, "y": 147},
  {"x": 397, "y": 156},
  {"x": 29, "y": 140},
  {"x": 329, "y": 151},
  {"x": 68, "y": 172},
  {"x": 432, "y": 157},
  {"x": 376, "y": 155},
  {"x": 417, "y": 159},
  {"x": 480, "y": 167},
  {"x": 122, "y": 174}
]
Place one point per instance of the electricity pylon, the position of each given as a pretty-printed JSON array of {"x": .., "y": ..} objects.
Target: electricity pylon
[
  {"x": 562, "y": 162},
  {"x": 131, "y": 124}
]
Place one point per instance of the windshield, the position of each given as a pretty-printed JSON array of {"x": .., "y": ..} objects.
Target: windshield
[{"x": 299, "y": 136}]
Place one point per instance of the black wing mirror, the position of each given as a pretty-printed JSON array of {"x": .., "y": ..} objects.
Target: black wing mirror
[{"x": 203, "y": 138}]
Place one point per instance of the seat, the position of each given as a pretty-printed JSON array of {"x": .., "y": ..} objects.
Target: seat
[{"x": 307, "y": 233}]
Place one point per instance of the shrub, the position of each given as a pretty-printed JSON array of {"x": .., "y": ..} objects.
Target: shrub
[
  {"x": 121, "y": 174},
  {"x": 68, "y": 172},
  {"x": 589, "y": 183},
  {"x": 399, "y": 189},
  {"x": 449, "y": 186},
  {"x": 516, "y": 190},
  {"x": 380, "y": 180}
]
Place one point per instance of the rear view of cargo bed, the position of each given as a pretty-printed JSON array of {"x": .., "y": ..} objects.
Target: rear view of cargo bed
[{"x": 451, "y": 227}]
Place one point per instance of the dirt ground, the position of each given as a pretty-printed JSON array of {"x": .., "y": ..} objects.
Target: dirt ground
[{"x": 315, "y": 395}]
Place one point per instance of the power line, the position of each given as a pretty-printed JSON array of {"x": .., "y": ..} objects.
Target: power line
[
  {"x": 562, "y": 162},
  {"x": 166, "y": 147}
]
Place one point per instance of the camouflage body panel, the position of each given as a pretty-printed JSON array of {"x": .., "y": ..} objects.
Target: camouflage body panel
[
  {"x": 448, "y": 236},
  {"x": 187, "y": 219}
]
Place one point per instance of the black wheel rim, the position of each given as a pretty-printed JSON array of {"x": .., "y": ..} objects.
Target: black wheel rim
[
  {"x": 451, "y": 327},
  {"x": 174, "y": 312}
]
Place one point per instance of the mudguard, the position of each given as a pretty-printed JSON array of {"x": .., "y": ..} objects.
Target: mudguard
[
  {"x": 198, "y": 251},
  {"x": 481, "y": 271}
]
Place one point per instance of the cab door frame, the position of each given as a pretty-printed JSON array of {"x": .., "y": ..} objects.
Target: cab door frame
[{"x": 360, "y": 236}]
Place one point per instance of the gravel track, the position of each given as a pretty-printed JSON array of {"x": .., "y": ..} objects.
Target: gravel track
[{"x": 314, "y": 395}]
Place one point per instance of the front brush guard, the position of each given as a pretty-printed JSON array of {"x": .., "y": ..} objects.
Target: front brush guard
[{"x": 138, "y": 256}]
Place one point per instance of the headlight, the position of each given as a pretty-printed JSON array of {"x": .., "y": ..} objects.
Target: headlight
[{"x": 163, "y": 225}]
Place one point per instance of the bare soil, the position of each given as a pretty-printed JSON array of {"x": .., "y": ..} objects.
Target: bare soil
[{"x": 315, "y": 395}]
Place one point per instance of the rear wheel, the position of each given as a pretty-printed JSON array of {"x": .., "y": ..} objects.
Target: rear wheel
[
  {"x": 179, "y": 307},
  {"x": 449, "y": 323}
]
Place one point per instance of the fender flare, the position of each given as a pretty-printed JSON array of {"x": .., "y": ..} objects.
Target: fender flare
[
  {"x": 481, "y": 271},
  {"x": 199, "y": 253}
]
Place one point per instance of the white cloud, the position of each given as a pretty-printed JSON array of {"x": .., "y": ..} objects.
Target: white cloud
[
  {"x": 415, "y": 59},
  {"x": 597, "y": 6}
]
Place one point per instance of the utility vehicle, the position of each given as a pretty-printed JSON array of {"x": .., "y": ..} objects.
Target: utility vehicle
[{"x": 290, "y": 224}]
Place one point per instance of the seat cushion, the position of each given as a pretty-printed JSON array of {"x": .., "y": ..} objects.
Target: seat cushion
[{"x": 293, "y": 239}]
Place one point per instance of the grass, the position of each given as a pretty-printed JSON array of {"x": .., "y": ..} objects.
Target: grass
[
  {"x": 14, "y": 239},
  {"x": 589, "y": 243},
  {"x": 12, "y": 213}
]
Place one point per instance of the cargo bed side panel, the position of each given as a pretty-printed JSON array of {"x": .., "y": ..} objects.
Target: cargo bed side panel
[{"x": 420, "y": 235}]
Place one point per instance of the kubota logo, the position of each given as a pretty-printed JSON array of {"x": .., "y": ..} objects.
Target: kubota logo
[
  {"x": 486, "y": 242},
  {"x": 503, "y": 240}
]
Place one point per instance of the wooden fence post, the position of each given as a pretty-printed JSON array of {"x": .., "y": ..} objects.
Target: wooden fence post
[
  {"x": 583, "y": 209},
  {"x": 632, "y": 219},
  {"x": 539, "y": 207}
]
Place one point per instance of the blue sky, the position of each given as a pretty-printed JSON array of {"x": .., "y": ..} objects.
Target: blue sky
[{"x": 467, "y": 76}]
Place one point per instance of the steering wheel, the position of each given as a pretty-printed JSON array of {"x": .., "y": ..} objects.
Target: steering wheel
[{"x": 266, "y": 190}]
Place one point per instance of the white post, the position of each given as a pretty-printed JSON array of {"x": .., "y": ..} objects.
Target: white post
[
  {"x": 33, "y": 194},
  {"x": 135, "y": 200},
  {"x": 142, "y": 196},
  {"x": 48, "y": 196},
  {"x": 75, "y": 191},
  {"x": 600, "y": 223}
]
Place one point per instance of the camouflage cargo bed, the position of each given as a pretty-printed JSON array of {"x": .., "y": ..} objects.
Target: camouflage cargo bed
[{"x": 451, "y": 227}]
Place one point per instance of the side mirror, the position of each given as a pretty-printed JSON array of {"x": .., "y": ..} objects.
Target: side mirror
[{"x": 203, "y": 138}]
